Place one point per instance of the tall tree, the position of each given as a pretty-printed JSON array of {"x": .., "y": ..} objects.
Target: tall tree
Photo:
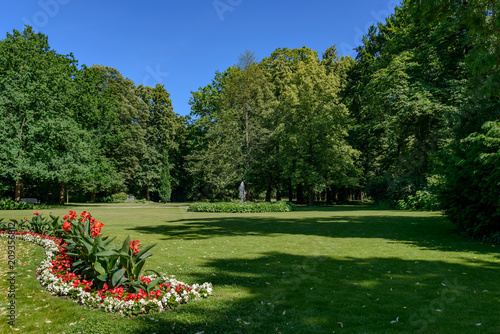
[
  {"x": 233, "y": 114},
  {"x": 311, "y": 121},
  {"x": 36, "y": 88},
  {"x": 163, "y": 128},
  {"x": 165, "y": 188},
  {"x": 120, "y": 121}
]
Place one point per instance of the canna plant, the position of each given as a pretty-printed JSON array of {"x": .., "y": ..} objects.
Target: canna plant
[
  {"x": 95, "y": 260},
  {"x": 86, "y": 246},
  {"x": 37, "y": 224},
  {"x": 131, "y": 259}
]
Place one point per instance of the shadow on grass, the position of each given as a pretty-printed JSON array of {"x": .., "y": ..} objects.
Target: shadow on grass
[
  {"x": 280, "y": 292},
  {"x": 433, "y": 232},
  {"x": 299, "y": 294}
]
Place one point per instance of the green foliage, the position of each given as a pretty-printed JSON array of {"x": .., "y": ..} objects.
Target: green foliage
[
  {"x": 10, "y": 204},
  {"x": 44, "y": 226},
  {"x": 90, "y": 254},
  {"x": 165, "y": 189},
  {"x": 422, "y": 200},
  {"x": 394, "y": 189},
  {"x": 245, "y": 207},
  {"x": 119, "y": 197},
  {"x": 471, "y": 193},
  {"x": 132, "y": 259},
  {"x": 96, "y": 260}
]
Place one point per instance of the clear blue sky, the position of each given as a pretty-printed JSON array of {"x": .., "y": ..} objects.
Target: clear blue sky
[{"x": 181, "y": 44}]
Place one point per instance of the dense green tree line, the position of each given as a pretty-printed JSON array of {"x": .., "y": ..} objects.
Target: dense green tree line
[
  {"x": 401, "y": 118},
  {"x": 88, "y": 129}
]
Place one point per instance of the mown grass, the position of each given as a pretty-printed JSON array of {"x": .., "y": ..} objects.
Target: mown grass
[{"x": 315, "y": 270}]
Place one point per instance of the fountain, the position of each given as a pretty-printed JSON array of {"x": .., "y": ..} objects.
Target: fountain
[{"x": 243, "y": 193}]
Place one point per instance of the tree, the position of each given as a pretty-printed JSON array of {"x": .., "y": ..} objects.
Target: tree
[
  {"x": 118, "y": 118},
  {"x": 407, "y": 91},
  {"x": 162, "y": 130},
  {"x": 36, "y": 88},
  {"x": 233, "y": 113},
  {"x": 165, "y": 189},
  {"x": 311, "y": 121},
  {"x": 471, "y": 194}
]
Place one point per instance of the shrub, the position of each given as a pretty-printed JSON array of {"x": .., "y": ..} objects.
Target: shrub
[
  {"x": 10, "y": 204},
  {"x": 245, "y": 207},
  {"x": 422, "y": 200},
  {"x": 471, "y": 193},
  {"x": 119, "y": 197}
]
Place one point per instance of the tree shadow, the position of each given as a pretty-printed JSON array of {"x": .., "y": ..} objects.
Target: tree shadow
[
  {"x": 313, "y": 294},
  {"x": 434, "y": 232}
]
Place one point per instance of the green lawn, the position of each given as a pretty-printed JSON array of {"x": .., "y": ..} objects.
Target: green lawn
[{"x": 315, "y": 270}]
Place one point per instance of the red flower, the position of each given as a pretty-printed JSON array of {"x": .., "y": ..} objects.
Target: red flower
[
  {"x": 66, "y": 226},
  {"x": 134, "y": 245},
  {"x": 96, "y": 228},
  {"x": 36, "y": 213}
]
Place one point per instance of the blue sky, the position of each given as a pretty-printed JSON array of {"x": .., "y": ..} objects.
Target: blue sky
[{"x": 181, "y": 44}]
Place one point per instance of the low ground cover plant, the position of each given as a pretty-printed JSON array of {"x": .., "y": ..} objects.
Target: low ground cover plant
[
  {"x": 245, "y": 207},
  {"x": 81, "y": 264},
  {"x": 10, "y": 204}
]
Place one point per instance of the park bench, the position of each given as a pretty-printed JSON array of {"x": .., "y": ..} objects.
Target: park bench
[{"x": 30, "y": 200}]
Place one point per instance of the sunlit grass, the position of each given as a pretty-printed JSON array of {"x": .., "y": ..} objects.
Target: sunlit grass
[{"x": 315, "y": 270}]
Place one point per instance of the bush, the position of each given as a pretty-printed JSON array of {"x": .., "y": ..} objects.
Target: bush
[
  {"x": 10, "y": 204},
  {"x": 471, "y": 193},
  {"x": 119, "y": 197},
  {"x": 422, "y": 200},
  {"x": 245, "y": 207}
]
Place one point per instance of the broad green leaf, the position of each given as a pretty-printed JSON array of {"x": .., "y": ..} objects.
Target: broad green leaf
[
  {"x": 108, "y": 253},
  {"x": 117, "y": 276}
]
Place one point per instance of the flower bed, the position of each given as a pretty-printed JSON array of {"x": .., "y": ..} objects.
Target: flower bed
[
  {"x": 157, "y": 293},
  {"x": 246, "y": 207}
]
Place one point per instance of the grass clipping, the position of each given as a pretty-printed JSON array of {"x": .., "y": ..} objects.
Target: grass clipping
[{"x": 245, "y": 207}]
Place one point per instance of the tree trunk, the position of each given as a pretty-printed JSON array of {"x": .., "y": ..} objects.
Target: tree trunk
[
  {"x": 17, "y": 191},
  {"x": 290, "y": 190},
  {"x": 300, "y": 194},
  {"x": 62, "y": 189},
  {"x": 92, "y": 197},
  {"x": 329, "y": 195},
  {"x": 249, "y": 195},
  {"x": 278, "y": 193},
  {"x": 269, "y": 190},
  {"x": 311, "y": 195},
  {"x": 67, "y": 196},
  {"x": 268, "y": 193},
  {"x": 148, "y": 194}
]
